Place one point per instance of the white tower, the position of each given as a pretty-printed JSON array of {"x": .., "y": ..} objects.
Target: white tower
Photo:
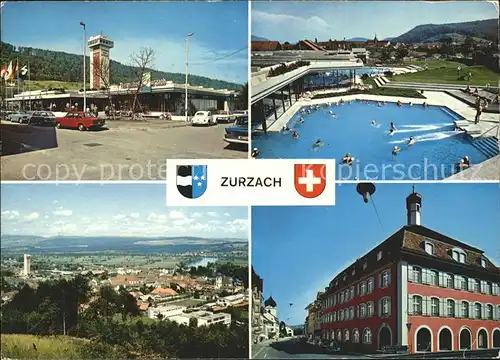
[
  {"x": 99, "y": 46},
  {"x": 413, "y": 208},
  {"x": 27, "y": 264}
]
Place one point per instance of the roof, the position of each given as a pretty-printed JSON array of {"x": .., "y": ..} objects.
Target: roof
[
  {"x": 270, "y": 302},
  {"x": 164, "y": 291},
  {"x": 143, "y": 306},
  {"x": 265, "y": 45}
]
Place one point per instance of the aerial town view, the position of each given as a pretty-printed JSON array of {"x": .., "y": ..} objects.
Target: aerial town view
[
  {"x": 110, "y": 90},
  {"x": 414, "y": 96},
  {"x": 402, "y": 276},
  {"x": 124, "y": 278}
]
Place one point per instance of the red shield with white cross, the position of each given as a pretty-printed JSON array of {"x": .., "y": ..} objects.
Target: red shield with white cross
[{"x": 310, "y": 179}]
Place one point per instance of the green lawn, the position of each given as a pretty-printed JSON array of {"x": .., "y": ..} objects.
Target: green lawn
[
  {"x": 20, "y": 346},
  {"x": 53, "y": 84},
  {"x": 445, "y": 72}
]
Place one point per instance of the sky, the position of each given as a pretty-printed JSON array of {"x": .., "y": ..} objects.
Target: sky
[
  {"x": 220, "y": 28},
  {"x": 299, "y": 250},
  {"x": 291, "y": 21},
  {"x": 111, "y": 210}
]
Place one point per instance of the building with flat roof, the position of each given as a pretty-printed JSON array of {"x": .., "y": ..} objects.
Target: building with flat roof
[
  {"x": 418, "y": 288},
  {"x": 167, "y": 311},
  {"x": 203, "y": 318}
]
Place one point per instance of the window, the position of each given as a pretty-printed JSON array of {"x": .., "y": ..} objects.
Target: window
[
  {"x": 449, "y": 280},
  {"x": 435, "y": 307},
  {"x": 342, "y": 315},
  {"x": 434, "y": 278},
  {"x": 450, "y": 307},
  {"x": 386, "y": 278},
  {"x": 362, "y": 310},
  {"x": 346, "y": 335},
  {"x": 477, "y": 285},
  {"x": 417, "y": 275},
  {"x": 365, "y": 265},
  {"x": 386, "y": 306},
  {"x": 417, "y": 305},
  {"x": 477, "y": 311},
  {"x": 345, "y": 277},
  {"x": 462, "y": 283},
  {"x": 351, "y": 292},
  {"x": 429, "y": 248},
  {"x": 355, "y": 336},
  {"x": 488, "y": 288},
  {"x": 489, "y": 312},
  {"x": 367, "y": 336},
  {"x": 465, "y": 309},
  {"x": 339, "y": 335},
  {"x": 362, "y": 290},
  {"x": 353, "y": 272},
  {"x": 370, "y": 285},
  {"x": 351, "y": 313},
  {"x": 483, "y": 262},
  {"x": 379, "y": 256},
  {"x": 369, "y": 308},
  {"x": 458, "y": 255}
]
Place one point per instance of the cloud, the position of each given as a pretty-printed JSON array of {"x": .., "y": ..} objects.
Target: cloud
[
  {"x": 62, "y": 212},
  {"x": 10, "y": 214},
  {"x": 31, "y": 217},
  {"x": 212, "y": 214},
  {"x": 176, "y": 214},
  {"x": 135, "y": 215},
  {"x": 119, "y": 217}
]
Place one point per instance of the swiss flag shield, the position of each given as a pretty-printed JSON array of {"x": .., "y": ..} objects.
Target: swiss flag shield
[{"x": 310, "y": 179}]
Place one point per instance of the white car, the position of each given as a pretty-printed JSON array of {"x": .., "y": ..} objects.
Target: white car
[{"x": 203, "y": 118}]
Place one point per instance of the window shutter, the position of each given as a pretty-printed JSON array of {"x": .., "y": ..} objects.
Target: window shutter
[
  {"x": 483, "y": 286},
  {"x": 388, "y": 277},
  {"x": 410, "y": 304},
  {"x": 457, "y": 309},
  {"x": 471, "y": 284},
  {"x": 442, "y": 308},
  {"x": 410, "y": 273},
  {"x": 380, "y": 308},
  {"x": 483, "y": 311},
  {"x": 472, "y": 313},
  {"x": 425, "y": 276},
  {"x": 380, "y": 280},
  {"x": 494, "y": 288},
  {"x": 456, "y": 282},
  {"x": 390, "y": 306},
  {"x": 441, "y": 279},
  {"x": 427, "y": 306}
]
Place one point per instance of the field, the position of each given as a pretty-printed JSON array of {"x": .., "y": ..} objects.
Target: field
[
  {"x": 15, "y": 346},
  {"x": 51, "y": 84},
  {"x": 445, "y": 72},
  {"x": 112, "y": 260}
]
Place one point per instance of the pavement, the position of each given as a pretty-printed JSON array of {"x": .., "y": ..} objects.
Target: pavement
[
  {"x": 122, "y": 150},
  {"x": 293, "y": 348}
]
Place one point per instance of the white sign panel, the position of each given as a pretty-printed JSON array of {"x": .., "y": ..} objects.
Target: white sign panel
[{"x": 262, "y": 182}]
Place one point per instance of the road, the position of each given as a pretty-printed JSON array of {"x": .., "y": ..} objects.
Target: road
[
  {"x": 123, "y": 150},
  {"x": 289, "y": 348}
]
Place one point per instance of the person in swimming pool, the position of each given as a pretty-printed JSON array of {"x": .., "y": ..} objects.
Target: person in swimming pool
[
  {"x": 318, "y": 144},
  {"x": 285, "y": 128},
  {"x": 373, "y": 122},
  {"x": 425, "y": 104},
  {"x": 411, "y": 141},
  {"x": 464, "y": 162},
  {"x": 331, "y": 113},
  {"x": 301, "y": 120},
  {"x": 399, "y": 103},
  {"x": 348, "y": 159},
  {"x": 295, "y": 134},
  {"x": 396, "y": 150},
  {"x": 391, "y": 132},
  {"x": 393, "y": 127},
  {"x": 255, "y": 152},
  {"x": 410, "y": 104}
]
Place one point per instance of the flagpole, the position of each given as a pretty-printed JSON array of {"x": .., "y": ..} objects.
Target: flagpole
[
  {"x": 29, "y": 85},
  {"x": 18, "y": 90}
]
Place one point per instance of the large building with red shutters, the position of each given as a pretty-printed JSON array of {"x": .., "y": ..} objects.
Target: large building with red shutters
[{"x": 419, "y": 289}]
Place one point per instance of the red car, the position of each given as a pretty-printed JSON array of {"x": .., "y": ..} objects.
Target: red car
[{"x": 79, "y": 120}]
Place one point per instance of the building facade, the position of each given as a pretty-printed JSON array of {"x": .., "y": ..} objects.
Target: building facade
[
  {"x": 418, "y": 288},
  {"x": 99, "y": 46},
  {"x": 256, "y": 311}
]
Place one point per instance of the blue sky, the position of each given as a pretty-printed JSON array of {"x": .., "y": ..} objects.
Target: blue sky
[
  {"x": 111, "y": 209},
  {"x": 220, "y": 28},
  {"x": 298, "y": 250},
  {"x": 291, "y": 21}
]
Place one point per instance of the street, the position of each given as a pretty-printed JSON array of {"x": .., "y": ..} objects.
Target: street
[
  {"x": 293, "y": 348},
  {"x": 122, "y": 150}
]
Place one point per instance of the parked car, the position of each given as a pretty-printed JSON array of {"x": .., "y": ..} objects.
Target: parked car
[
  {"x": 224, "y": 118},
  {"x": 42, "y": 118},
  {"x": 203, "y": 118},
  {"x": 238, "y": 133},
  {"x": 155, "y": 115},
  {"x": 79, "y": 120},
  {"x": 20, "y": 117}
]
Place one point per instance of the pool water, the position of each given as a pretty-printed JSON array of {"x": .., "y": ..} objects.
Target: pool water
[{"x": 434, "y": 156}]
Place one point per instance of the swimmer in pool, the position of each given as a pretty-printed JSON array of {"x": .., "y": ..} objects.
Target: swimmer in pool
[
  {"x": 347, "y": 159},
  {"x": 393, "y": 127},
  {"x": 411, "y": 141},
  {"x": 295, "y": 135},
  {"x": 396, "y": 150},
  {"x": 379, "y": 104},
  {"x": 255, "y": 152},
  {"x": 410, "y": 104},
  {"x": 464, "y": 163},
  {"x": 285, "y": 128},
  {"x": 391, "y": 132},
  {"x": 301, "y": 120},
  {"x": 399, "y": 103},
  {"x": 425, "y": 104},
  {"x": 318, "y": 144},
  {"x": 331, "y": 112},
  {"x": 373, "y": 123}
]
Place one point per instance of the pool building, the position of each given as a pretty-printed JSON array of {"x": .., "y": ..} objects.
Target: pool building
[{"x": 418, "y": 289}]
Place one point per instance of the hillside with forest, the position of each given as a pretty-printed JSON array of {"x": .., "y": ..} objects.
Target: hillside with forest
[
  {"x": 61, "y": 66},
  {"x": 486, "y": 30}
]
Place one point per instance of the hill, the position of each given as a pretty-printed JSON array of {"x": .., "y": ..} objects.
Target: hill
[
  {"x": 258, "y": 38},
  {"x": 483, "y": 29},
  {"x": 61, "y": 66}
]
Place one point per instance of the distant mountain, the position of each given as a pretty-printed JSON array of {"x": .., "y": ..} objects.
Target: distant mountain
[
  {"x": 388, "y": 38},
  {"x": 482, "y": 29},
  {"x": 259, "y": 38},
  {"x": 68, "y": 244},
  {"x": 61, "y": 66},
  {"x": 358, "y": 39}
]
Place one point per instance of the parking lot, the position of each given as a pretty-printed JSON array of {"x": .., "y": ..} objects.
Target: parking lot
[{"x": 123, "y": 150}]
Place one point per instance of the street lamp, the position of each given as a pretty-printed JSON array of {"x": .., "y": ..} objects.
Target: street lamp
[
  {"x": 458, "y": 70},
  {"x": 187, "y": 55},
  {"x": 365, "y": 190},
  {"x": 84, "y": 67}
]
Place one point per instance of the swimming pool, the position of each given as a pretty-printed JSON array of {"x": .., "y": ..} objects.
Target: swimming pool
[{"x": 437, "y": 149}]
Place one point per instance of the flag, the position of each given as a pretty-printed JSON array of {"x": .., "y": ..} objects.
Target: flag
[
  {"x": 10, "y": 72},
  {"x": 3, "y": 72},
  {"x": 23, "y": 73}
]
